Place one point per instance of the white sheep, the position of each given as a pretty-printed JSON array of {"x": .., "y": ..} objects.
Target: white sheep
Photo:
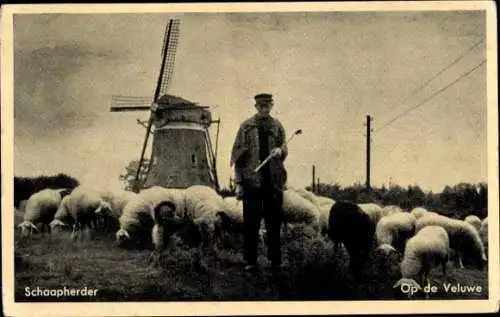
[
  {"x": 474, "y": 221},
  {"x": 429, "y": 248},
  {"x": 387, "y": 210},
  {"x": 483, "y": 233},
  {"x": 136, "y": 223},
  {"x": 41, "y": 208},
  {"x": 311, "y": 197},
  {"x": 464, "y": 239},
  {"x": 84, "y": 203},
  {"x": 117, "y": 200},
  {"x": 231, "y": 219},
  {"x": 419, "y": 212},
  {"x": 62, "y": 218},
  {"x": 395, "y": 229},
  {"x": 196, "y": 224},
  {"x": 373, "y": 210},
  {"x": 298, "y": 210}
]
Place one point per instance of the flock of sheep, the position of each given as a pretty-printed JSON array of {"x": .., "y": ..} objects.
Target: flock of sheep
[{"x": 419, "y": 239}]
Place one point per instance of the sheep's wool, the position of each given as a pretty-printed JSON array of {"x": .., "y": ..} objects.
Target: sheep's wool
[
  {"x": 63, "y": 210},
  {"x": 388, "y": 227},
  {"x": 456, "y": 229},
  {"x": 40, "y": 203},
  {"x": 474, "y": 221},
  {"x": 419, "y": 212},
  {"x": 429, "y": 244},
  {"x": 234, "y": 209},
  {"x": 203, "y": 201},
  {"x": 298, "y": 209},
  {"x": 373, "y": 210},
  {"x": 483, "y": 231}
]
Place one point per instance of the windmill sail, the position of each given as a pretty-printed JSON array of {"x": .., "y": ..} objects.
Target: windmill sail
[{"x": 169, "y": 49}]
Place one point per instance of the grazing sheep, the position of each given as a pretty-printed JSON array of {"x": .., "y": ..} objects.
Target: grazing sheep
[
  {"x": 197, "y": 224},
  {"x": 474, "y": 221},
  {"x": 230, "y": 220},
  {"x": 429, "y": 248},
  {"x": 136, "y": 223},
  {"x": 41, "y": 208},
  {"x": 387, "y": 210},
  {"x": 62, "y": 218},
  {"x": 419, "y": 212},
  {"x": 200, "y": 205},
  {"x": 139, "y": 214},
  {"x": 483, "y": 233},
  {"x": 311, "y": 197},
  {"x": 349, "y": 225},
  {"x": 464, "y": 239},
  {"x": 84, "y": 203},
  {"x": 373, "y": 210},
  {"x": 298, "y": 210},
  {"x": 117, "y": 200},
  {"x": 395, "y": 229}
]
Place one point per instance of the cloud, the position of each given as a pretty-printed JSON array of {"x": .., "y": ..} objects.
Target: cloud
[{"x": 49, "y": 82}]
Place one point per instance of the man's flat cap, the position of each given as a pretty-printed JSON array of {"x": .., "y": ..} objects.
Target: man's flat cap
[{"x": 263, "y": 96}]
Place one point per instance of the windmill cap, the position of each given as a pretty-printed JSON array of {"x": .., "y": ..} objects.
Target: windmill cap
[{"x": 263, "y": 96}]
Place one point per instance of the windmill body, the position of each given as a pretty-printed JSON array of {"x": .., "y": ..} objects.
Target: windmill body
[{"x": 182, "y": 154}]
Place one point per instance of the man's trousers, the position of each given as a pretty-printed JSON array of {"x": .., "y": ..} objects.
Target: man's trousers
[{"x": 258, "y": 204}]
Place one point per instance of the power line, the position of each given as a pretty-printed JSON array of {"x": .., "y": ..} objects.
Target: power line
[
  {"x": 432, "y": 96},
  {"x": 442, "y": 71}
]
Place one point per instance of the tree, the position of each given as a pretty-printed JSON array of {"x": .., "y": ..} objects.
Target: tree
[{"x": 128, "y": 177}]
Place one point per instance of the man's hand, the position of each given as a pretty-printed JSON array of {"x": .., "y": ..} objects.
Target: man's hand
[
  {"x": 239, "y": 192},
  {"x": 276, "y": 152}
]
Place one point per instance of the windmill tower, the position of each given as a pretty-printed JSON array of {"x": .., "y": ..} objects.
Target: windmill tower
[{"x": 182, "y": 154}]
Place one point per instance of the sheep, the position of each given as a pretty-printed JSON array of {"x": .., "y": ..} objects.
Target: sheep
[
  {"x": 474, "y": 221},
  {"x": 136, "y": 223},
  {"x": 117, "y": 200},
  {"x": 307, "y": 195},
  {"x": 429, "y": 248},
  {"x": 62, "y": 218},
  {"x": 298, "y": 210},
  {"x": 41, "y": 208},
  {"x": 197, "y": 222},
  {"x": 231, "y": 220},
  {"x": 418, "y": 212},
  {"x": 139, "y": 215},
  {"x": 349, "y": 225},
  {"x": 483, "y": 233},
  {"x": 464, "y": 239},
  {"x": 373, "y": 210},
  {"x": 395, "y": 229},
  {"x": 84, "y": 203},
  {"x": 387, "y": 210}
]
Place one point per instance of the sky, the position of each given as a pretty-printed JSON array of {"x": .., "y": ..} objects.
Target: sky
[{"x": 326, "y": 71}]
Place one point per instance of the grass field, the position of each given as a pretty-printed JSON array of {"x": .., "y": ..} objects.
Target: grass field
[{"x": 311, "y": 272}]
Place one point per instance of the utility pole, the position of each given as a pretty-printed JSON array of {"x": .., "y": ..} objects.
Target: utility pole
[
  {"x": 313, "y": 178},
  {"x": 368, "y": 150}
]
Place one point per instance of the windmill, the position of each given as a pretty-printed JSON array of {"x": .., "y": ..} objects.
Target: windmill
[{"x": 182, "y": 154}]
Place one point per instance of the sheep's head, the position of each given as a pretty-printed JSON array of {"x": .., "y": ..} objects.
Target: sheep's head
[
  {"x": 57, "y": 225},
  {"x": 103, "y": 209},
  {"x": 122, "y": 236},
  {"x": 28, "y": 228},
  {"x": 387, "y": 257},
  {"x": 164, "y": 211}
]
